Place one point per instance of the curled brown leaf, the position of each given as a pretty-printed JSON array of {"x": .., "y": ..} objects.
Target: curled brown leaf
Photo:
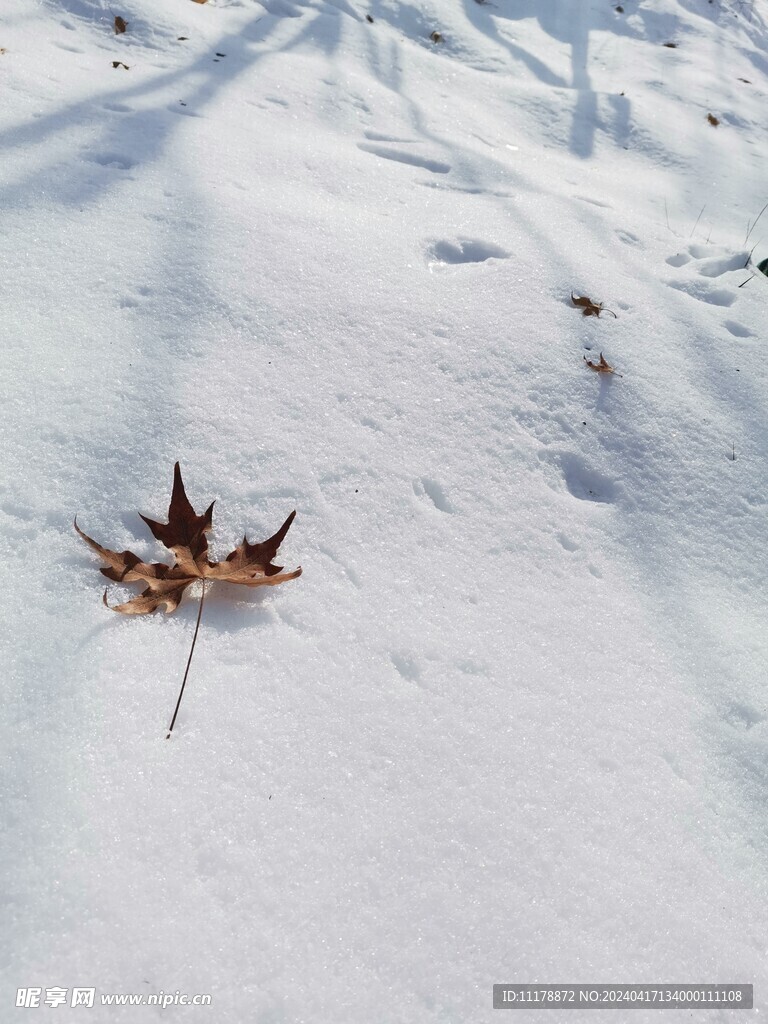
[
  {"x": 588, "y": 307},
  {"x": 602, "y": 366}
]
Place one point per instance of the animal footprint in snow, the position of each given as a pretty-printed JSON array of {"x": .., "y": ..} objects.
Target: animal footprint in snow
[
  {"x": 704, "y": 292},
  {"x": 572, "y": 471},
  {"x": 431, "y": 490},
  {"x": 463, "y": 250},
  {"x": 708, "y": 262},
  {"x": 738, "y": 330},
  {"x": 403, "y": 156}
]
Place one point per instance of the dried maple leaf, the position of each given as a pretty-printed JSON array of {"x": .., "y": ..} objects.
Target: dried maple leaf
[
  {"x": 120, "y": 25},
  {"x": 590, "y": 308},
  {"x": 185, "y": 535},
  {"x": 602, "y": 366}
]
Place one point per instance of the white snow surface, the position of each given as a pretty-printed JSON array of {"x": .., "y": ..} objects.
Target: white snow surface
[{"x": 510, "y": 725}]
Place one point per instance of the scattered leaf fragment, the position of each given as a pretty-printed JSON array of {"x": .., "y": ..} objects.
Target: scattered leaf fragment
[
  {"x": 185, "y": 535},
  {"x": 221, "y": 55},
  {"x": 744, "y": 80},
  {"x": 601, "y": 367},
  {"x": 119, "y": 64},
  {"x": 369, "y": 19},
  {"x": 201, "y": 1},
  {"x": 182, "y": 39},
  {"x": 590, "y": 308},
  {"x": 436, "y": 37},
  {"x": 619, "y": 9},
  {"x": 671, "y": 46},
  {"x": 120, "y": 25},
  {"x": 714, "y": 121},
  {"x": 3, "y": 49}
]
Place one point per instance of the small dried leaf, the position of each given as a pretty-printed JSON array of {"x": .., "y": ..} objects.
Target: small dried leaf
[
  {"x": 672, "y": 46},
  {"x": 601, "y": 367},
  {"x": 590, "y": 308},
  {"x": 119, "y": 64},
  {"x": 745, "y": 80},
  {"x": 369, "y": 19},
  {"x": 201, "y": 1},
  {"x": 713, "y": 120},
  {"x": 120, "y": 25}
]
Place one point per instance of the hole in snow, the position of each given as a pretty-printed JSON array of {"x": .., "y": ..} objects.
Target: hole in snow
[
  {"x": 425, "y": 487},
  {"x": 679, "y": 259},
  {"x": 123, "y": 163},
  {"x": 738, "y": 330},
  {"x": 464, "y": 250}
]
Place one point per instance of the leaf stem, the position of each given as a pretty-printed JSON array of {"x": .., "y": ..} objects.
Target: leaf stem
[{"x": 189, "y": 662}]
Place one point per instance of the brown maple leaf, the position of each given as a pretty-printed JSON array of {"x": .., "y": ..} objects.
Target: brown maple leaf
[
  {"x": 185, "y": 535},
  {"x": 590, "y": 308},
  {"x": 602, "y": 366},
  {"x": 120, "y": 25}
]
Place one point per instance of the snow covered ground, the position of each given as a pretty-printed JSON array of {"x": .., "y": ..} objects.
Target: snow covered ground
[{"x": 511, "y": 723}]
